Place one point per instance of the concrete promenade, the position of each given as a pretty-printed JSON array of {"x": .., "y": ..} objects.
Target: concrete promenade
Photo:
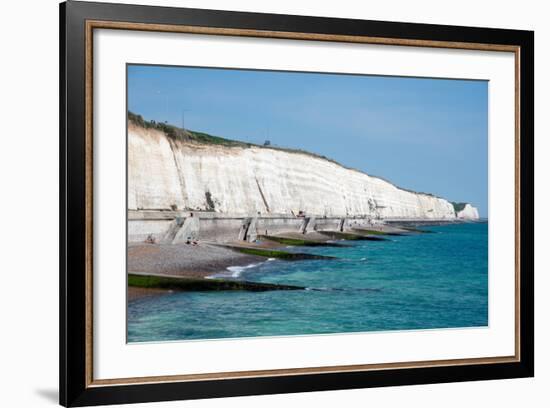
[{"x": 173, "y": 227}]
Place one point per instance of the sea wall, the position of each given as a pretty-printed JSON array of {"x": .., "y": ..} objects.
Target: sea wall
[
  {"x": 164, "y": 174},
  {"x": 178, "y": 227}
]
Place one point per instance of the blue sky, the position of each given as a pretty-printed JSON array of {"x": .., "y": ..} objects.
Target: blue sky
[{"x": 422, "y": 134}]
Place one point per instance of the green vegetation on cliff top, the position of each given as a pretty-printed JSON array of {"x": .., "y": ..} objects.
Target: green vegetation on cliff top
[
  {"x": 458, "y": 206},
  {"x": 176, "y": 133}
]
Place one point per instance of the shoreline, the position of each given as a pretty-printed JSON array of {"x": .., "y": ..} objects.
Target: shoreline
[
  {"x": 201, "y": 261},
  {"x": 378, "y": 277},
  {"x": 196, "y": 261},
  {"x": 222, "y": 262}
]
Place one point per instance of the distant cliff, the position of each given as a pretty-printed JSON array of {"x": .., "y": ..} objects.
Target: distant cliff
[
  {"x": 468, "y": 213},
  {"x": 188, "y": 171}
]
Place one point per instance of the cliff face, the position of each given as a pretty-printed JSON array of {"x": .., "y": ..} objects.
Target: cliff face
[
  {"x": 168, "y": 174},
  {"x": 468, "y": 213}
]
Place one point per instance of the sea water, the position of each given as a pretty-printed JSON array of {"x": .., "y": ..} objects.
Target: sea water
[{"x": 415, "y": 281}]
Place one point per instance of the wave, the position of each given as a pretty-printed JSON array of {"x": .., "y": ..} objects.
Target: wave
[{"x": 236, "y": 271}]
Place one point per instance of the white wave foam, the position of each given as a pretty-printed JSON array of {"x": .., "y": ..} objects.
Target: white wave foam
[{"x": 236, "y": 271}]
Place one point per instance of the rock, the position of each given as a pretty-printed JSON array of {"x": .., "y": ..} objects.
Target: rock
[
  {"x": 164, "y": 173},
  {"x": 468, "y": 213}
]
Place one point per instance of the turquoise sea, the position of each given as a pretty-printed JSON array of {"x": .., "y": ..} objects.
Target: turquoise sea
[{"x": 416, "y": 281}]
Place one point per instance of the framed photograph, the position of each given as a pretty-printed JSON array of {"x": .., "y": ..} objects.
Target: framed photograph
[{"x": 256, "y": 203}]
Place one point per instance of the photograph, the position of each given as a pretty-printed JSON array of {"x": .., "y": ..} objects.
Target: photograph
[
  {"x": 257, "y": 202},
  {"x": 279, "y": 203}
]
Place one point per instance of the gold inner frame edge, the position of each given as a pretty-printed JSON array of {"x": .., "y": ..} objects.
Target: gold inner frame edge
[{"x": 101, "y": 24}]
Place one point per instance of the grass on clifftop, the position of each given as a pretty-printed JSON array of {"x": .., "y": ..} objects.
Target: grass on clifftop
[
  {"x": 176, "y": 133},
  {"x": 458, "y": 206}
]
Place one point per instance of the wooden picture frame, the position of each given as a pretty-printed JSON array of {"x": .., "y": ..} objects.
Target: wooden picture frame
[{"x": 78, "y": 20}]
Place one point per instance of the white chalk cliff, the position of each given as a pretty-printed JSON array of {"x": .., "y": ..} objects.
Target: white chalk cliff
[
  {"x": 468, "y": 213},
  {"x": 164, "y": 173}
]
